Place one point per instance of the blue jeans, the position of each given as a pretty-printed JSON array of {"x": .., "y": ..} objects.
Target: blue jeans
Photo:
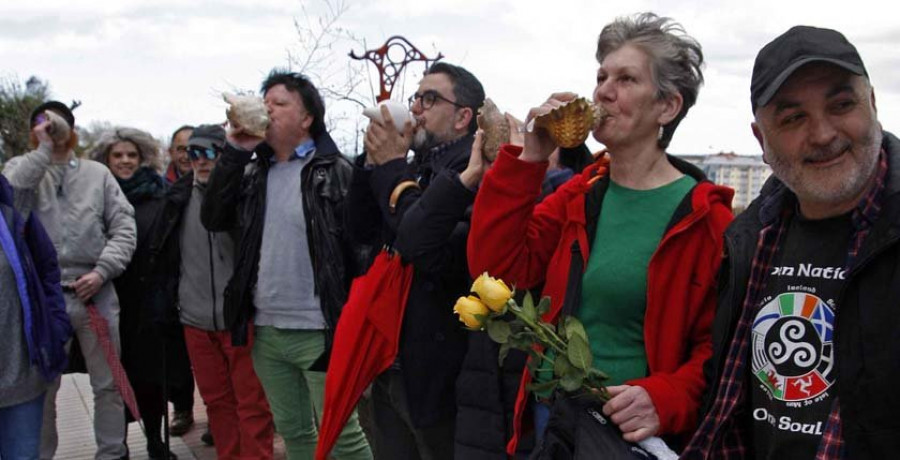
[{"x": 20, "y": 429}]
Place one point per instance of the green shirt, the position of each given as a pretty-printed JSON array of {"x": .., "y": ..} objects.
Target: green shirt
[{"x": 614, "y": 289}]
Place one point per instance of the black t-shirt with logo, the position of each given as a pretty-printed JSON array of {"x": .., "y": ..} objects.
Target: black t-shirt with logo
[{"x": 791, "y": 358}]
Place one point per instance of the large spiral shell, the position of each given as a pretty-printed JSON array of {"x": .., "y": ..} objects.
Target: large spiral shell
[
  {"x": 59, "y": 128},
  {"x": 495, "y": 127},
  {"x": 247, "y": 112},
  {"x": 570, "y": 124}
]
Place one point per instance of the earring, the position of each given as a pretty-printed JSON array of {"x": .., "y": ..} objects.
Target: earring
[{"x": 659, "y": 135}]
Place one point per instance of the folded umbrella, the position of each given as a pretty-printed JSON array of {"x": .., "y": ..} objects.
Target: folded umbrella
[
  {"x": 366, "y": 341},
  {"x": 101, "y": 328}
]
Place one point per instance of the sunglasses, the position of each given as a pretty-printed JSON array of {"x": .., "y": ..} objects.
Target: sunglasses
[{"x": 196, "y": 153}]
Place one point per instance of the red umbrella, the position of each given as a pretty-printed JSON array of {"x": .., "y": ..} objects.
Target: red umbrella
[
  {"x": 101, "y": 328},
  {"x": 365, "y": 342}
]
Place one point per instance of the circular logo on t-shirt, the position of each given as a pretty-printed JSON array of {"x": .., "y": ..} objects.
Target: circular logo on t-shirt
[{"x": 792, "y": 346}]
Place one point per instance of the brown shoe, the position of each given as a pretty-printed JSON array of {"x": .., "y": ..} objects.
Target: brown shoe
[{"x": 182, "y": 421}]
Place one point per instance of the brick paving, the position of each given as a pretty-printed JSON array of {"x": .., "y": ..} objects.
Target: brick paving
[{"x": 75, "y": 408}]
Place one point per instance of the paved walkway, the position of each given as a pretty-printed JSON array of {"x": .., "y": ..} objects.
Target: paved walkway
[{"x": 75, "y": 409}]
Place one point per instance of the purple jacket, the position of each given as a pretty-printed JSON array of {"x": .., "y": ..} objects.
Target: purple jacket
[{"x": 34, "y": 263}]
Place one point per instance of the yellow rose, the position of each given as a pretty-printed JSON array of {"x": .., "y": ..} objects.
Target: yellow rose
[
  {"x": 493, "y": 292},
  {"x": 467, "y": 308}
]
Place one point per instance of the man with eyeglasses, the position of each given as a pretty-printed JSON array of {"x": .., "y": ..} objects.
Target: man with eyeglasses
[
  {"x": 420, "y": 207},
  {"x": 191, "y": 267},
  {"x": 285, "y": 194}
]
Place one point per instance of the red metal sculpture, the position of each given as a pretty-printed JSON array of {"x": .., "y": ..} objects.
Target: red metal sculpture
[{"x": 390, "y": 59}]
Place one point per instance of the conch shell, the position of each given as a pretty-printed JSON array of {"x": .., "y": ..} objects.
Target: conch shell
[
  {"x": 570, "y": 124},
  {"x": 59, "y": 129},
  {"x": 247, "y": 112},
  {"x": 495, "y": 127},
  {"x": 399, "y": 113}
]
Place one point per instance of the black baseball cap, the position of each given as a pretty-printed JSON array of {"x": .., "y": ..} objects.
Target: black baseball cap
[
  {"x": 208, "y": 136},
  {"x": 793, "y": 49},
  {"x": 56, "y": 106}
]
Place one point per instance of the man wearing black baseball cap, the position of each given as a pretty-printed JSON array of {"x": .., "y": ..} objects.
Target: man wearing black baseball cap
[{"x": 807, "y": 334}]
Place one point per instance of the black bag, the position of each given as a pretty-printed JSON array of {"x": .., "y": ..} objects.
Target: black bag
[{"x": 578, "y": 430}]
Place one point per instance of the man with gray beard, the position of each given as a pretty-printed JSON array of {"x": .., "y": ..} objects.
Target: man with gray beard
[{"x": 805, "y": 341}]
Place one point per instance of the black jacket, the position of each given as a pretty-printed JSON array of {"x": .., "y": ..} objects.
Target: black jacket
[
  {"x": 141, "y": 339},
  {"x": 867, "y": 325},
  {"x": 165, "y": 251},
  {"x": 429, "y": 230},
  {"x": 236, "y": 198},
  {"x": 485, "y": 390}
]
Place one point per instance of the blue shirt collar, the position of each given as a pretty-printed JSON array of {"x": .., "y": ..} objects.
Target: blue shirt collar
[{"x": 302, "y": 151}]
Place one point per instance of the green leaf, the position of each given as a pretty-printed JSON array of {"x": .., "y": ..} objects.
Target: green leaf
[
  {"x": 504, "y": 350},
  {"x": 597, "y": 373},
  {"x": 561, "y": 366},
  {"x": 544, "y": 306},
  {"x": 575, "y": 328},
  {"x": 498, "y": 330},
  {"x": 579, "y": 353},
  {"x": 571, "y": 381},
  {"x": 528, "y": 309}
]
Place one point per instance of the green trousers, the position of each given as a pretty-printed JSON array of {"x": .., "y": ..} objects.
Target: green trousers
[{"x": 281, "y": 359}]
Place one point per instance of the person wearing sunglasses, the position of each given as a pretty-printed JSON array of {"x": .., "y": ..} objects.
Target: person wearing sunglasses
[
  {"x": 190, "y": 267},
  {"x": 419, "y": 208}
]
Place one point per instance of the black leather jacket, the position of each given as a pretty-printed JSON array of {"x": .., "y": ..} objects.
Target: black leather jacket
[{"x": 236, "y": 197}]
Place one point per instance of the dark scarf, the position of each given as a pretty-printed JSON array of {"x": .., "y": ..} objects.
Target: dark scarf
[{"x": 144, "y": 184}]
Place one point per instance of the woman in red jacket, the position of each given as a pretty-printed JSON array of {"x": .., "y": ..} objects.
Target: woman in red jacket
[{"x": 632, "y": 245}]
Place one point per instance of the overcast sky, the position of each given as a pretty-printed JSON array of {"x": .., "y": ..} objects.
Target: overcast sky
[{"x": 158, "y": 64}]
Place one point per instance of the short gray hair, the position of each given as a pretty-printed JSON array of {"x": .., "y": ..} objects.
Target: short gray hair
[
  {"x": 148, "y": 147},
  {"x": 675, "y": 58}
]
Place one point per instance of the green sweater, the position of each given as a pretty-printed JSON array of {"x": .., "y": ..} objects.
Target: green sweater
[{"x": 614, "y": 291}]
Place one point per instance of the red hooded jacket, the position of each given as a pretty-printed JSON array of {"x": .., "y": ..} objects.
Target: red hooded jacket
[{"x": 525, "y": 243}]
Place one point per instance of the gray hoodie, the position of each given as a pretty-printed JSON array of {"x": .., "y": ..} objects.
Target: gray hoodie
[{"x": 83, "y": 209}]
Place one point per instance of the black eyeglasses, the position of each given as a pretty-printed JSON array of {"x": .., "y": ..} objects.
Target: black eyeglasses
[
  {"x": 195, "y": 153},
  {"x": 429, "y": 98}
]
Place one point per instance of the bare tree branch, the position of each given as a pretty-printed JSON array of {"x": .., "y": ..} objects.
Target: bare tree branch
[{"x": 321, "y": 54}]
